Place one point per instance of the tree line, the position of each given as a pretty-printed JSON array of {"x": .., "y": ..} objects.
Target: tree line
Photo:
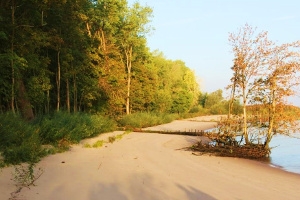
[{"x": 89, "y": 56}]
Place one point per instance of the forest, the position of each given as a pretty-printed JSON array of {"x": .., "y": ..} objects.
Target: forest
[
  {"x": 72, "y": 69},
  {"x": 88, "y": 56}
]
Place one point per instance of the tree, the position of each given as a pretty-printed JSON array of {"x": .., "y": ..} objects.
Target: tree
[
  {"x": 265, "y": 75},
  {"x": 250, "y": 50},
  {"x": 279, "y": 82},
  {"x": 24, "y": 35},
  {"x": 214, "y": 98},
  {"x": 132, "y": 32},
  {"x": 85, "y": 55}
]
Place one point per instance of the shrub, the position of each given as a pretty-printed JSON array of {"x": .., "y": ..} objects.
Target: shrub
[
  {"x": 145, "y": 119},
  {"x": 64, "y": 126},
  {"x": 19, "y": 141}
]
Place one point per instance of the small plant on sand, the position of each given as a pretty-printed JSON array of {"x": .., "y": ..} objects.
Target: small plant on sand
[
  {"x": 25, "y": 175},
  {"x": 119, "y": 137},
  {"x": 98, "y": 144},
  {"x": 112, "y": 139},
  {"x": 87, "y": 145}
]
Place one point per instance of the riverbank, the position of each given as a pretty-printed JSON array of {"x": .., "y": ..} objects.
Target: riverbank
[{"x": 153, "y": 166}]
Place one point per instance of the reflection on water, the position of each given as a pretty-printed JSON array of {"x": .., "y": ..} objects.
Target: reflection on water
[{"x": 286, "y": 152}]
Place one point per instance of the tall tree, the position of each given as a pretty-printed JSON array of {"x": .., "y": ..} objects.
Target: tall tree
[
  {"x": 24, "y": 30},
  {"x": 279, "y": 82},
  {"x": 250, "y": 50},
  {"x": 105, "y": 53},
  {"x": 132, "y": 34}
]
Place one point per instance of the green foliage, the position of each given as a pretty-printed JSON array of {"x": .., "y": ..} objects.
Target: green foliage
[
  {"x": 87, "y": 145},
  {"x": 98, "y": 144},
  {"x": 22, "y": 141},
  {"x": 80, "y": 56},
  {"x": 214, "y": 98},
  {"x": 26, "y": 175},
  {"x": 145, "y": 119},
  {"x": 214, "y": 103},
  {"x": 219, "y": 108},
  {"x": 63, "y": 126},
  {"x": 19, "y": 141}
]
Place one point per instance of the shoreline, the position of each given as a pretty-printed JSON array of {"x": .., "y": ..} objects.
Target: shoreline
[{"x": 152, "y": 166}]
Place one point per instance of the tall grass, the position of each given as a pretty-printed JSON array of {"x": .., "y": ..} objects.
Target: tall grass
[
  {"x": 73, "y": 127},
  {"x": 21, "y": 141}
]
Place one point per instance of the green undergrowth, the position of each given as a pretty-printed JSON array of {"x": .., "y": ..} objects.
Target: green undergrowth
[
  {"x": 145, "y": 119},
  {"x": 19, "y": 140},
  {"x": 22, "y": 141},
  {"x": 72, "y": 128}
]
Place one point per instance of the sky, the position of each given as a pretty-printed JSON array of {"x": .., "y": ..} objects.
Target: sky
[{"x": 196, "y": 32}]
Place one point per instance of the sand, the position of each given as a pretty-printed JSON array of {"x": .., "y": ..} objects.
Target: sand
[{"x": 152, "y": 166}]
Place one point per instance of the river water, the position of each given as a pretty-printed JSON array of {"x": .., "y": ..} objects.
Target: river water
[{"x": 286, "y": 152}]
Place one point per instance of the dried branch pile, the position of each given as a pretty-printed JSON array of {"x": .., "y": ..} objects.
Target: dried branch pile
[{"x": 253, "y": 151}]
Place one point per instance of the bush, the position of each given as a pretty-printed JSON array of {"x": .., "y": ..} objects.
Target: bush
[
  {"x": 145, "y": 119},
  {"x": 19, "y": 141},
  {"x": 64, "y": 126}
]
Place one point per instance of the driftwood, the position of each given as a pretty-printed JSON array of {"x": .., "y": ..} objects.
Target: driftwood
[
  {"x": 253, "y": 151},
  {"x": 224, "y": 145},
  {"x": 189, "y": 132}
]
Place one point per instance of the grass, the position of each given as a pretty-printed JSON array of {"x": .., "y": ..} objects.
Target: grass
[
  {"x": 19, "y": 141},
  {"x": 98, "y": 144},
  {"x": 73, "y": 127},
  {"x": 87, "y": 145},
  {"x": 23, "y": 141},
  {"x": 111, "y": 139},
  {"x": 145, "y": 119}
]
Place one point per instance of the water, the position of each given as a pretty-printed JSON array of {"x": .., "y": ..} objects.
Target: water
[{"x": 286, "y": 153}]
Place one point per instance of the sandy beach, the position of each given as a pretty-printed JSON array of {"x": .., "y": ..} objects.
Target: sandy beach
[{"x": 152, "y": 166}]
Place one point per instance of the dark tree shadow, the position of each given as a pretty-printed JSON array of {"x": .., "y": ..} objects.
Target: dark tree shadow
[
  {"x": 195, "y": 194},
  {"x": 148, "y": 190},
  {"x": 109, "y": 192}
]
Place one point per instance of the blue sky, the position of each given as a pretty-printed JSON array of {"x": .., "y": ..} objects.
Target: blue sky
[{"x": 196, "y": 31}]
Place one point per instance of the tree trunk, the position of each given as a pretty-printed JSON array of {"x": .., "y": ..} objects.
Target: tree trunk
[
  {"x": 48, "y": 102},
  {"x": 74, "y": 94},
  {"x": 24, "y": 103},
  {"x": 245, "y": 126},
  {"x": 68, "y": 95},
  {"x": 128, "y": 65},
  {"x": 232, "y": 98},
  {"x": 271, "y": 119},
  {"x": 58, "y": 81},
  {"x": 12, "y": 103}
]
